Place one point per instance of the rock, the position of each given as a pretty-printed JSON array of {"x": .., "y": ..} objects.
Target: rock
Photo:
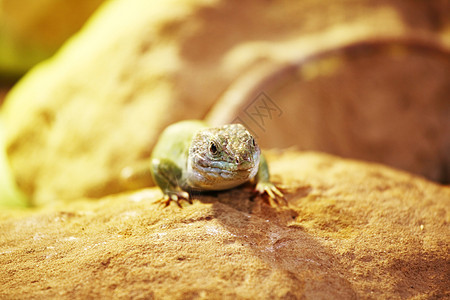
[
  {"x": 98, "y": 107},
  {"x": 360, "y": 100},
  {"x": 33, "y": 30},
  {"x": 74, "y": 122},
  {"x": 10, "y": 194},
  {"x": 352, "y": 230}
]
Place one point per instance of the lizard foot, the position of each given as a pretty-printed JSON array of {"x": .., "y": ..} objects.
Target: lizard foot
[
  {"x": 175, "y": 196},
  {"x": 274, "y": 194}
]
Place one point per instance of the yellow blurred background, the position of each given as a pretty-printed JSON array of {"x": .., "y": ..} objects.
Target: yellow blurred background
[{"x": 359, "y": 79}]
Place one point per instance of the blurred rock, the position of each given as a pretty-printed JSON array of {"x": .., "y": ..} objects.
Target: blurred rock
[
  {"x": 33, "y": 30},
  {"x": 75, "y": 121},
  {"x": 352, "y": 231},
  {"x": 383, "y": 100},
  {"x": 10, "y": 194}
]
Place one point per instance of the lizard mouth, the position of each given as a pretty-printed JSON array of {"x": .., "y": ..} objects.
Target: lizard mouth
[
  {"x": 215, "y": 174},
  {"x": 213, "y": 178},
  {"x": 227, "y": 173},
  {"x": 226, "y": 169}
]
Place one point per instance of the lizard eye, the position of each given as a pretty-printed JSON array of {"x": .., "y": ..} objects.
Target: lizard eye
[
  {"x": 213, "y": 148},
  {"x": 253, "y": 142}
]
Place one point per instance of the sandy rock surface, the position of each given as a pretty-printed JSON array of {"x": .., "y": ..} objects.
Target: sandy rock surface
[
  {"x": 352, "y": 230},
  {"x": 75, "y": 121}
]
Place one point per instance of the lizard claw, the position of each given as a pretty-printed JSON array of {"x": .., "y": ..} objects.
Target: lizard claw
[
  {"x": 273, "y": 193},
  {"x": 175, "y": 196}
]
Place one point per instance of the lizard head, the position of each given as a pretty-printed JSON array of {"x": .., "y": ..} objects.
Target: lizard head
[{"x": 222, "y": 158}]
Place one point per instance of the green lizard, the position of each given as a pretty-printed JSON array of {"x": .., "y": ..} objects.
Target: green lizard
[{"x": 190, "y": 156}]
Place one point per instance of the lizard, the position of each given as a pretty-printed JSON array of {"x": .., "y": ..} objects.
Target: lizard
[{"x": 192, "y": 156}]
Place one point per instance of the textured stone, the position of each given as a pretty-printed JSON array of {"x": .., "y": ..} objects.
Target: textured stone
[{"x": 352, "y": 230}]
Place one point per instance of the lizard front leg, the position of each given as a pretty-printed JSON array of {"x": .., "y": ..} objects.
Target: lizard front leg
[
  {"x": 167, "y": 176},
  {"x": 263, "y": 184}
]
